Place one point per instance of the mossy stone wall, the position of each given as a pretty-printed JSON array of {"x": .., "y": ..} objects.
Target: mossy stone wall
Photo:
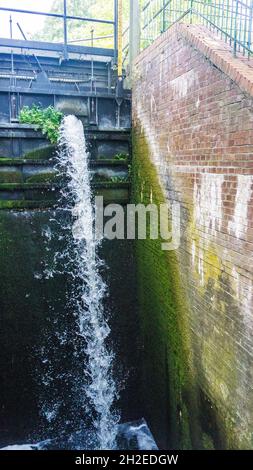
[
  {"x": 167, "y": 374},
  {"x": 192, "y": 143}
]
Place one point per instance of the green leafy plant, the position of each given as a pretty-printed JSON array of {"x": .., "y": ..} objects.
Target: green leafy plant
[
  {"x": 121, "y": 156},
  {"x": 119, "y": 179},
  {"x": 47, "y": 120}
]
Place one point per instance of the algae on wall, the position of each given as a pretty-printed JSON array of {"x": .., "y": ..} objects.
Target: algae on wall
[{"x": 168, "y": 379}]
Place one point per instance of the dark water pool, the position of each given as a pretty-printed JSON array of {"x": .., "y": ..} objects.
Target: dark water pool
[{"x": 41, "y": 373}]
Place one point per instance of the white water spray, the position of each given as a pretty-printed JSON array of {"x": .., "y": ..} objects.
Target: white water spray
[{"x": 90, "y": 292}]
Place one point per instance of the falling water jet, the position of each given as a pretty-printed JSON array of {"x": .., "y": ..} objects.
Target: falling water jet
[{"x": 88, "y": 302}]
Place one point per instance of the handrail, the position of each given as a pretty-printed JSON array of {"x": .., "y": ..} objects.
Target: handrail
[
  {"x": 65, "y": 18},
  {"x": 55, "y": 15},
  {"x": 233, "y": 19},
  {"x": 55, "y": 47}
]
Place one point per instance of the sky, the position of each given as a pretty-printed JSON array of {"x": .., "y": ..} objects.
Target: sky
[{"x": 29, "y": 23}]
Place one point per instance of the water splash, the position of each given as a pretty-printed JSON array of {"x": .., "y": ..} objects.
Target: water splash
[
  {"x": 134, "y": 435},
  {"x": 90, "y": 290}
]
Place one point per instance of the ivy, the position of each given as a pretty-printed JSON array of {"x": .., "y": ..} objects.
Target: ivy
[{"x": 47, "y": 120}]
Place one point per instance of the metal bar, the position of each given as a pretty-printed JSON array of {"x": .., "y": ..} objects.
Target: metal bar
[
  {"x": 55, "y": 90},
  {"x": 54, "y": 47},
  {"x": 235, "y": 29},
  {"x": 226, "y": 27},
  {"x": 191, "y": 7},
  {"x": 88, "y": 39},
  {"x": 56, "y": 15},
  {"x": 24, "y": 36},
  {"x": 134, "y": 34},
  {"x": 216, "y": 27},
  {"x": 92, "y": 78},
  {"x": 250, "y": 26},
  {"x": 164, "y": 18},
  {"x": 244, "y": 5},
  {"x": 65, "y": 30},
  {"x": 12, "y": 59},
  {"x": 115, "y": 31},
  {"x": 120, "y": 29},
  {"x": 10, "y": 26},
  {"x": 231, "y": 28},
  {"x": 245, "y": 30},
  {"x": 157, "y": 13}
]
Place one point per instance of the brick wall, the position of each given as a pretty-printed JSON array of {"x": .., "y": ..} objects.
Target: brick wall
[{"x": 193, "y": 124}]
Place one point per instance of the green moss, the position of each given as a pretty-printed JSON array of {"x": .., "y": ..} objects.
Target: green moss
[
  {"x": 121, "y": 156},
  {"x": 10, "y": 204},
  {"x": 224, "y": 384},
  {"x": 115, "y": 196},
  {"x": 11, "y": 186},
  {"x": 110, "y": 179},
  {"x": 23, "y": 186},
  {"x": 167, "y": 370},
  {"x": 110, "y": 184},
  {"x": 4, "y": 160},
  {"x": 185, "y": 432},
  {"x": 109, "y": 162},
  {"x": 10, "y": 177},
  {"x": 41, "y": 153},
  {"x": 119, "y": 179},
  {"x": 207, "y": 442},
  {"x": 46, "y": 177},
  {"x": 19, "y": 204},
  {"x": 173, "y": 405},
  {"x": 117, "y": 158},
  {"x": 11, "y": 161}
]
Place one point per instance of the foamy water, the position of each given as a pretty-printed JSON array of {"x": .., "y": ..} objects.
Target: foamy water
[{"x": 92, "y": 327}]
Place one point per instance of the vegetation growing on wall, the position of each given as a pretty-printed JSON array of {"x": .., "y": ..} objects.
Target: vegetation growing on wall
[
  {"x": 167, "y": 370},
  {"x": 47, "y": 120}
]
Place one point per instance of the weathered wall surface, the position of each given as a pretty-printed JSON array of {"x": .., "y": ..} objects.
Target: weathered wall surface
[
  {"x": 39, "y": 371},
  {"x": 193, "y": 143}
]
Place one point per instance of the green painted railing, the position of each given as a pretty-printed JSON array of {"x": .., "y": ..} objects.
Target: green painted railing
[{"x": 232, "y": 19}]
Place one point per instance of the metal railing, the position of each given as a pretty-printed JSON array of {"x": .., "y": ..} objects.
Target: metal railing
[
  {"x": 65, "y": 18},
  {"x": 232, "y": 19},
  {"x": 125, "y": 44}
]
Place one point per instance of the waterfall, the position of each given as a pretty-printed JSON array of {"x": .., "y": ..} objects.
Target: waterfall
[{"x": 89, "y": 289}]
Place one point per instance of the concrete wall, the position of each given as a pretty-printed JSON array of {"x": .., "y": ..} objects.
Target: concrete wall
[{"x": 193, "y": 143}]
